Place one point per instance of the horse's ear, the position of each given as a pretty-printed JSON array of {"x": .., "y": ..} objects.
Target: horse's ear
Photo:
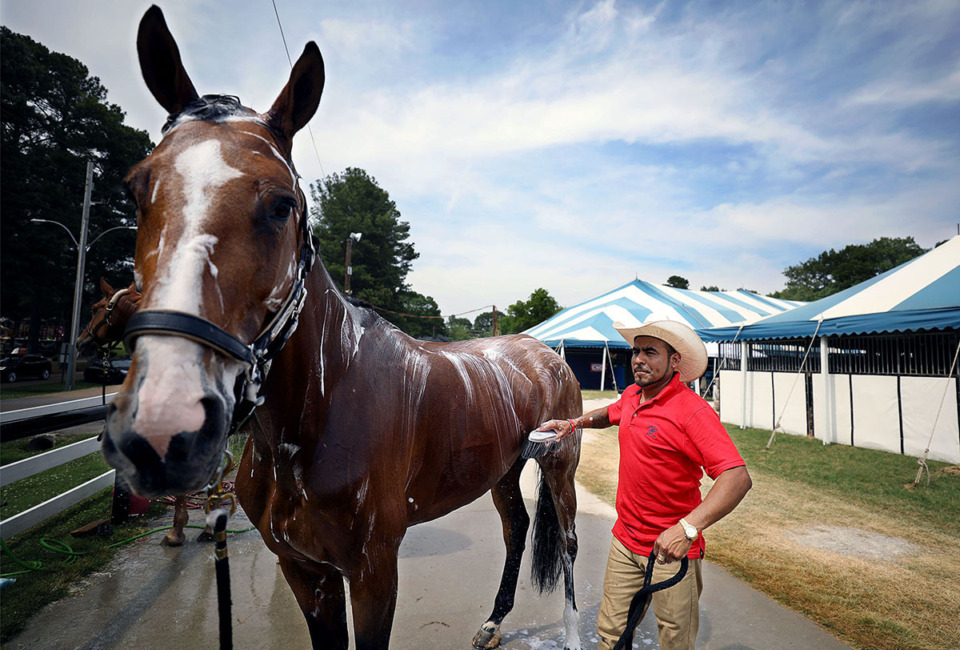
[
  {"x": 299, "y": 99},
  {"x": 105, "y": 287},
  {"x": 161, "y": 65}
]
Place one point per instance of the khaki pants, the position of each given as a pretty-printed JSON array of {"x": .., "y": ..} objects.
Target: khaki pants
[{"x": 677, "y": 609}]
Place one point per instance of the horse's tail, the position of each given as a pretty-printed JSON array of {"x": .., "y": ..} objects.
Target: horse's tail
[{"x": 547, "y": 542}]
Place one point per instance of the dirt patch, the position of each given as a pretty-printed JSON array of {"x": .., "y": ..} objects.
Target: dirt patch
[{"x": 853, "y": 541}]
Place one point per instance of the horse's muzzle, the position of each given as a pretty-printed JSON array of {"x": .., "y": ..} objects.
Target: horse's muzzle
[{"x": 178, "y": 464}]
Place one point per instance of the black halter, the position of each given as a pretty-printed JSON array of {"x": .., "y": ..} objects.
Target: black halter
[{"x": 256, "y": 355}]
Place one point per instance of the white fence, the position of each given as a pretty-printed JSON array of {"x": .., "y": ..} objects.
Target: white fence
[{"x": 48, "y": 460}]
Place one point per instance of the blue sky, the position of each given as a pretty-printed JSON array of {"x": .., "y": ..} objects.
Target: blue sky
[{"x": 575, "y": 146}]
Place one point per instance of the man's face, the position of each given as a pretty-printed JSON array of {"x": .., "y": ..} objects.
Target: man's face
[{"x": 652, "y": 362}]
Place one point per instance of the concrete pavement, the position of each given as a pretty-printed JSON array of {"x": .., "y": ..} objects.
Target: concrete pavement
[{"x": 153, "y": 597}]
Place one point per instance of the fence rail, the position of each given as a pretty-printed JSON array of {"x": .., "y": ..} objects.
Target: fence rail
[{"x": 66, "y": 414}]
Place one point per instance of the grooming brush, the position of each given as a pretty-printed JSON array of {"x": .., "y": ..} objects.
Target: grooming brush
[{"x": 538, "y": 443}]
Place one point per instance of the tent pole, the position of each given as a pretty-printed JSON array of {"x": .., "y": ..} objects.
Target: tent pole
[
  {"x": 603, "y": 367},
  {"x": 829, "y": 416},
  {"x": 744, "y": 354}
]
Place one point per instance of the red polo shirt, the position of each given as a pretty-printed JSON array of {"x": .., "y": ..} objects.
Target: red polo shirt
[{"x": 665, "y": 446}]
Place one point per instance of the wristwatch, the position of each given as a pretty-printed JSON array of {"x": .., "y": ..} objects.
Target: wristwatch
[{"x": 688, "y": 530}]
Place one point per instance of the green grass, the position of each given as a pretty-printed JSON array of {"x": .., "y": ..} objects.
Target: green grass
[
  {"x": 11, "y": 452},
  {"x": 11, "y": 391},
  {"x": 873, "y": 478}
]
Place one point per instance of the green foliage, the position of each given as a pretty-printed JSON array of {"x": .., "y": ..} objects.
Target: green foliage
[
  {"x": 678, "y": 282},
  {"x": 833, "y": 271},
  {"x": 483, "y": 324},
  {"x": 522, "y": 315},
  {"x": 460, "y": 328},
  {"x": 352, "y": 202},
  {"x": 712, "y": 287},
  {"x": 55, "y": 119},
  {"x": 419, "y": 316}
]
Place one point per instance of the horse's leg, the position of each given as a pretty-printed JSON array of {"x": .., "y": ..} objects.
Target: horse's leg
[
  {"x": 513, "y": 515},
  {"x": 558, "y": 473},
  {"x": 319, "y": 591},
  {"x": 373, "y": 594},
  {"x": 174, "y": 536}
]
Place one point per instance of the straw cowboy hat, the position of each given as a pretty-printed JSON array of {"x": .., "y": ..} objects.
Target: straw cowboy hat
[{"x": 693, "y": 354}]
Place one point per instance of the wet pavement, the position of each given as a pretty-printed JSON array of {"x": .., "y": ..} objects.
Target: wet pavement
[{"x": 154, "y": 597}]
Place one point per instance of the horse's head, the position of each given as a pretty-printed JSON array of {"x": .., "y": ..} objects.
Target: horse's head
[
  {"x": 108, "y": 318},
  {"x": 222, "y": 225}
]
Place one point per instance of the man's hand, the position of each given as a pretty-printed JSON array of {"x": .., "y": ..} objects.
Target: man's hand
[
  {"x": 672, "y": 545},
  {"x": 563, "y": 427}
]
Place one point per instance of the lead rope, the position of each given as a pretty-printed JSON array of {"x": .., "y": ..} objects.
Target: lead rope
[
  {"x": 217, "y": 515},
  {"x": 923, "y": 459},
  {"x": 638, "y": 606}
]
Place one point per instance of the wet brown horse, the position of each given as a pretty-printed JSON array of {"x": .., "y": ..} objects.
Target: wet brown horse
[{"x": 362, "y": 431}]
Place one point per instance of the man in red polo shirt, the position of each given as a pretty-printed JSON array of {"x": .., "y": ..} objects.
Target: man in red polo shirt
[{"x": 669, "y": 436}]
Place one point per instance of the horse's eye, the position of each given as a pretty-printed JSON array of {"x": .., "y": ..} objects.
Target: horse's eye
[{"x": 283, "y": 211}]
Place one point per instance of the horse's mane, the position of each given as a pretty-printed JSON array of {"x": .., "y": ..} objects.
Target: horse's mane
[{"x": 209, "y": 108}]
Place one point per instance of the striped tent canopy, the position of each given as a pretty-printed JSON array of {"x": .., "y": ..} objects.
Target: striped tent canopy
[
  {"x": 590, "y": 324},
  {"x": 922, "y": 294}
]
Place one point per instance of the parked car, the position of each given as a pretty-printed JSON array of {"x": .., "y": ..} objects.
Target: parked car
[
  {"x": 24, "y": 365},
  {"x": 114, "y": 371}
]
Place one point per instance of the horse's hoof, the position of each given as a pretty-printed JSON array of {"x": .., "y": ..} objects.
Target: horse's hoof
[
  {"x": 204, "y": 537},
  {"x": 488, "y": 637},
  {"x": 176, "y": 540}
]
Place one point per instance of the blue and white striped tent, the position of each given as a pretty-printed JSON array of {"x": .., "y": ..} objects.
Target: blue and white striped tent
[
  {"x": 588, "y": 327},
  {"x": 920, "y": 295}
]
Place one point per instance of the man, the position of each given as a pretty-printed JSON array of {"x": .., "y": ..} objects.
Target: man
[{"x": 668, "y": 437}]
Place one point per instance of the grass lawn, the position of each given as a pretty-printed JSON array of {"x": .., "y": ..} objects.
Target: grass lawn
[
  {"x": 836, "y": 533},
  {"x": 10, "y": 391}
]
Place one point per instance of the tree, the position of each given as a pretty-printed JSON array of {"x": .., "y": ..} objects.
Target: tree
[
  {"x": 483, "y": 324},
  {"x": 712, "y": 287},
  {"x": 522, "y": 315},
  {"x": 834, "y": 271},
  {"x": 352, "y": 202},
  {"x": 678, "y": 282},
  {"x": 55, "y": 119},
  {"x": 459, "y": 328}
]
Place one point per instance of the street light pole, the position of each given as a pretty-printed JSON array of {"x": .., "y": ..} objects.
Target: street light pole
[
  {"x": 78, "y": 287},
  {"x": 347, "y": 268}
]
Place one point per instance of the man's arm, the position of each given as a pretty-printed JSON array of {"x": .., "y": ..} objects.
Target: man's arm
[
  {"x": 727, "y": 492},
  {"x": 598, "y": 419}
]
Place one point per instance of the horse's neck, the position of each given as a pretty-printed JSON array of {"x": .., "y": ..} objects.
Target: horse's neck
[{"x": 327, "y": 340}]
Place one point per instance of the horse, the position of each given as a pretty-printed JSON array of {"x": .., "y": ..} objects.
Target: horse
[
  {"x": 108, "y": 320},
  {"x": 108, "y": 317},
  {"x": 357, "y": 431}
]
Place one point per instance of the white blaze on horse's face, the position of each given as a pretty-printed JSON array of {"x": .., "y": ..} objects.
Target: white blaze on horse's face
[{"x": 175, "y": 378}]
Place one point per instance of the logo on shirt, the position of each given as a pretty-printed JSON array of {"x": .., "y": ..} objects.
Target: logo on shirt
[{"x": 652, "y": 431}]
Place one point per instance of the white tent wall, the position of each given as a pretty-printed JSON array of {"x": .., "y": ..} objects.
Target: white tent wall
[
  {"x": 831, "y": 409},
  {"x": 876, "y": 413},
  {"x": 865, "y": 410},
  {"x": 768, "y": 394},
  {"x": 919, "y": 419},
  {"x": 791, "y": 401}
]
